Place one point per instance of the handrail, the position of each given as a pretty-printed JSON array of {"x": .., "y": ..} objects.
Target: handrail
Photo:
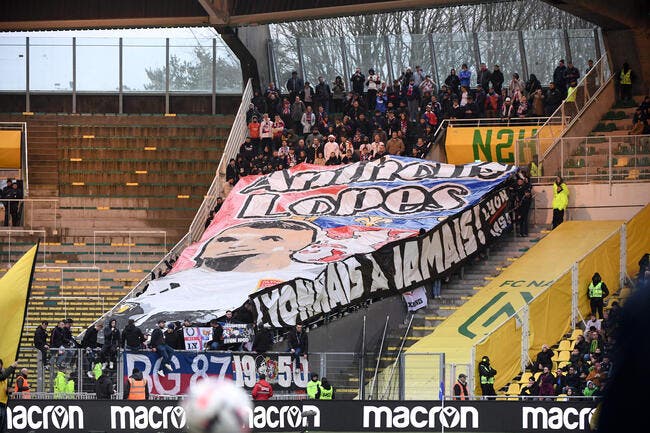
[
  {"x": 31, "y": 202},
  {"x": 599, "y": 66},
  {"x": 381, "y": 348},
  {"x": 399, "y": 353}
]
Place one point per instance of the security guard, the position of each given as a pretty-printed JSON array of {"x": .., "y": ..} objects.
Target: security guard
[
  {"x": 136, "y": 387},
  {"x": 460, "y": 388},
  {"x": 597, "y": 291},
  {"x": 325, "y": 390},
  {"x": 312, "y": 386},
  {"x": 487, "y": 373},
  {"x": 22, "y": 384}
]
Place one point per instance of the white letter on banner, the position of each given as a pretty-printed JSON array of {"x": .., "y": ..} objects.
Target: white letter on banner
[
  {"x": 175, "y": 378},
  {"x": 411, "y": 263}
]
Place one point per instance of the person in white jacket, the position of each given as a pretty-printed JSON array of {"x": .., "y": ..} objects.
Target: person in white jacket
[{"x": 308, "y": 120}]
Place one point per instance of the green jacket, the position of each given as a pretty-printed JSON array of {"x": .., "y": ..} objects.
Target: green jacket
[
  {"x": 312, "y": 388},
  {"x": 561, "y": 198}
]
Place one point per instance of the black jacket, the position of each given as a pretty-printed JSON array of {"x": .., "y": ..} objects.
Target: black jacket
[
  {"x": 40, "y": 337},
  {"x": 104, "y": 387},
  {"x": 132, "y": 336},
  {"x": 299, "y": 340},
  {"x": 90, "y": 338},
  {"x": 263, "y": 340},
  {"x": 171, "y": 339},
  {"x": 57, "y": 339},
  {"x": 217, "y": 335},
  {"x": 111, "y": 337},
  {"x": 157, "y": 338}
]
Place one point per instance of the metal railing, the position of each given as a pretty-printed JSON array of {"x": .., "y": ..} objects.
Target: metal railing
[
  {"x": 624, "y": 158},
  {"x": 28, "y": 207},
  {"x": 13, "y": 233},
  {"x": 588, "y": 88}
]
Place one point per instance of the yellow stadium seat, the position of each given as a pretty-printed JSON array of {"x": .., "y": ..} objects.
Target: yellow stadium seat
[
  {"x": 524, "y": 377},
  {"x": 575, "y": 334},
  {"x": 564, "y": 356},
  {"x": 537, "y": 375},
  {"x": 563, "y": 364},
  {"x": 564, "y": 345},
  {"x": 513, "y": 389},
  {"x": 561, "y": 397}
]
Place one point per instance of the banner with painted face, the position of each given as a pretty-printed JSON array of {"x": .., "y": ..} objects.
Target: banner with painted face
[{"x": 309, "y": 240}]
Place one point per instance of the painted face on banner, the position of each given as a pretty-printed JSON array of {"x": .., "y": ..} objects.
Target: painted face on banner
[{"x": 256, "y": 246}]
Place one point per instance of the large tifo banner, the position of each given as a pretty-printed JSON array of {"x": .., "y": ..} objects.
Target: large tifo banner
[
  {"x": 495, "y": 143},
  {"x": 165, "y": 416},
  {"x": 243, "y": 368},
  {"x": 306, "y": 241}
]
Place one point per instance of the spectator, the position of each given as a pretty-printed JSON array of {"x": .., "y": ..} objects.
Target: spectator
[
  {"x": 572, "y": 378},
  {"x": 522, "y": 108},
  {"x": 331, "y": 148},
  {"x": 496, "y": 78},
  {"x": 5, "y": 375},
  {"x": 553, "y": 98},
  {"x": 308, "y": 121},
  {"x": 322, "y": 94},
  {"x": 460, "y": 388},
  {"x": 486, "y": 374},
  {"x": 597, "y": 292},
  {"x": 507, "y": 110},
  {"x": 90, "y": 344},
  {"x": 298, "y": 345},
  {"x": 232, "y": 176},
  {"x": 338, "y": 94},
  {"x": 571, "y": 74},
  {"x": 263, "y": 340},
  {"x": 159, "y": 346},
  {"x": 427, "y": 85},
  {"x": 15, "y": 193},
  {"x": 515, "y": 88},
  {"x": 252, "y": 111},
  {"x": 358, "y": 80},
  {"x": 103, "y": 385},
  {"x": 591, "y": 390},
  {"x": 307, "y": 94},
  {"x": 559, "y": 77},
  {"x": 171, "y": 337},
  {"x": 6, "y": 204},
  {"x": 532, "y": 86},
  {"x": 483, "y": 77},
  {"x": 546, "y": 382},
  {"x": 530, "y": 389},
  {"x": 216, "y": 343},
  {"x": 412, "y": 96},
  {"x": 395, "y": 145},
  {"x": 294, "y": 85},
  {"x": 136, "y": 387},
  {"x": 41, "y": 340},
  {"x": 132, "y": 337},
  {"x": 543, "y": 359},
  {"x": 560, "y": 200},
  {"x": 590, "y": 78},
  {"x": 593, "y": 322},
  {"x": 523, "y": 199},
  {"x": 492, "y": 103},
  {"x": 538, "y": 103},
  {"x": 465, "y": 76},
  {"x": 639, "y": 123},
  {"x": 262, "y": 389},
  {"x": 254, "y": 131},
  {"x": 111, "y": 344},
  {"x": 419, "y": 76},
  {"x": 373, "y": 83},
  {"x": 452, "y": 81}
]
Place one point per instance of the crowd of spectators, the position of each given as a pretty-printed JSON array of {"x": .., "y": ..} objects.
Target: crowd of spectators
[
  {"x": 368, "y": 117},
  {"x": 588, "y": 368}
]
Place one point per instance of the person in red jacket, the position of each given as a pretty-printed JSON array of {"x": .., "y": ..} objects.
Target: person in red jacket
[{"x": 262, "y": 389}]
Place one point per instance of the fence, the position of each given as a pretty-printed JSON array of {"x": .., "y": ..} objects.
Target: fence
[
  {"x": 593, "y": 159},
  {"x": 33, "y": 213},
  {"x": 14, "y": 253},
  {"x": 130, "y": 236}
]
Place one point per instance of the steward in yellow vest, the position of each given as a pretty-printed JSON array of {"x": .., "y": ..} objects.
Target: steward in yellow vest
[
  {"x": 597, "y": 291},
  {"x": 325, "y": 390},
  {"x": 312, "y": 386}
]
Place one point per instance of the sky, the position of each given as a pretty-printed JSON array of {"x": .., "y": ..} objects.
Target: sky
[{"x": 97, "y": 56}]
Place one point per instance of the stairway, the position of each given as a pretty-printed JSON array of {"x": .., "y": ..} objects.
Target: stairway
[
  {"x": 617, "y": 121},
  {"x": 454, "y": 293}
]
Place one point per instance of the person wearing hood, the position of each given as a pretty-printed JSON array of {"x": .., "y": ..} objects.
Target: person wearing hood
[
  {"x": 132, "y": 337},
  {"x": 487, "y": 373},
  {"x": 89, "y": 344},
  {"x": 136, "y": 387},
  {"x": 325, "y": 390},
  {"x": 591, "y": 389},
  {"x": 103, "y": 384},
  {"x": 262, "y": 389},
  {"x": 597, "y": 292},
  {"x": 111, "y": 343}
]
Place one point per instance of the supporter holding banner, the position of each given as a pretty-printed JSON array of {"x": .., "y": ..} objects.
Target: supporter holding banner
[
  {"x": 306, "y": 241},
  {"x": 415, "y": 299}
]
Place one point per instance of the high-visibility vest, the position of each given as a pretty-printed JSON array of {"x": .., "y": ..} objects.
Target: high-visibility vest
[
  {"x": 463, "y": 391},
  {"x": 24, "y": 394},
  {"x": 626, "y": 77},
  {"x": 571, "y": 94},
  {"x": 137, "y": 390},
  {"x": 595, "y": 291},
  {"x": 312, "y": 388},
  {"x": 535, "y": 170},
  {"x": 326, "y": 394},
  {"x": 69, "y": 387}
]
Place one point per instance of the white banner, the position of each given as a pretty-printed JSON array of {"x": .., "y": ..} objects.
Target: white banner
[{"x": 416, "y": 299}]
